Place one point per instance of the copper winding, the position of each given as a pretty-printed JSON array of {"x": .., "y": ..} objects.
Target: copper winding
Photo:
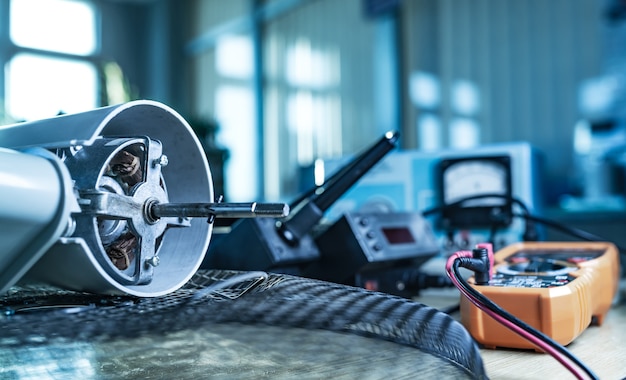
[
  {"x": 121, "y": 251},
  {"x": 126, "y": 167}
]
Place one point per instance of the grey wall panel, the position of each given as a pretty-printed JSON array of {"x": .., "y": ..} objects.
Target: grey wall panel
[{"x": 527, "y": 57}]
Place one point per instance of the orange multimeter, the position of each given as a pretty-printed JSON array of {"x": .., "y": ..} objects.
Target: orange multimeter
[{"x": 558, "y": 288}]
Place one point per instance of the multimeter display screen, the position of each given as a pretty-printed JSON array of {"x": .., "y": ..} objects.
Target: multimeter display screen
[
  {"x": 556, "y": 262},
  {"x": 398, "y": 235}
]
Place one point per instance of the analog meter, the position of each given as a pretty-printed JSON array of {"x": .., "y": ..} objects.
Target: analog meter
[{"x": 475, "y": 191}]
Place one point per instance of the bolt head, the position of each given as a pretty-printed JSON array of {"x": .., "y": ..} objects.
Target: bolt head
[
  {"x": 163, "y": 160},
  {"x": 153, "y": 261}
]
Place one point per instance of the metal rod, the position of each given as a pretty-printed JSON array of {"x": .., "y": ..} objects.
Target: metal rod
[
  {"x": 310, "y": 208},
  {"x": 327, "y": 194},
  {"x": 219, "y": 210}
]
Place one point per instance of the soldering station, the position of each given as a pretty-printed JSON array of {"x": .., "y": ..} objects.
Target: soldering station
[{"x": 118, "y": 242}]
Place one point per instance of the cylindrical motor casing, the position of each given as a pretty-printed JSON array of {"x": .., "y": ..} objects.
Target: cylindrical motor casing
[
  {"x": 33, "y": 211},
  {"x": 187, "y": 178},
  {"x": 29, "y": 197}
]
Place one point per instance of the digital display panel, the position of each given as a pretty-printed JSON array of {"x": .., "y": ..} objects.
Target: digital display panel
[{"x": 398, "y": 235}]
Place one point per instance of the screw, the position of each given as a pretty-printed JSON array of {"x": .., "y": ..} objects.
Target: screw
[
  {"x": 153, "y": 261},
  {"x": 162, "y": 160}
]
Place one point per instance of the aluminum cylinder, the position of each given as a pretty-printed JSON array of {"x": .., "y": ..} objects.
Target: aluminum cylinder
[
  {"x": 70, "y": 263},
  {"x": 33, "y": 212}
]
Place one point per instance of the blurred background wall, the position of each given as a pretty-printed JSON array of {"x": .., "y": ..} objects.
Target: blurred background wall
[{"x": 281, "y": 83}]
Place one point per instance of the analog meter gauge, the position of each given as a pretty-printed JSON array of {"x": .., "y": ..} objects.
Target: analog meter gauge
[{"x": 475, "y": 191}]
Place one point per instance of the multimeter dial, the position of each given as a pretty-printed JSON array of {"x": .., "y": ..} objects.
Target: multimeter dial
[{"x": 473, "y": 179}]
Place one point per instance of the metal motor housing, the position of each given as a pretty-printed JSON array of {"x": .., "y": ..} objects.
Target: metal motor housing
[{"x": 74, "y": 260}]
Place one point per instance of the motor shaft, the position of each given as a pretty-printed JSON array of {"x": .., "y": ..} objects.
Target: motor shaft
[{"x": 219, "y": 210}]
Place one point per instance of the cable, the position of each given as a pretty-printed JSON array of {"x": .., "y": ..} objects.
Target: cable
[
  {"x": 530, "y": 233},
  {"x": 229, "y": 282},
  {"x": 544, "y": 342},
  {"x": 461, "y": 202},
  {"x": 575, "y": 232}
]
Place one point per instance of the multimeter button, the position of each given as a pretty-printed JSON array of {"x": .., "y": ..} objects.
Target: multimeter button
[
  {"x": 377, "y": 247},
  {"x": 370, "y": 234},
  {"x": 364, "y": 222}
]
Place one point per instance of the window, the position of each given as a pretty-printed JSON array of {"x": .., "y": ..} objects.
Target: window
[
  {"x": 52, "y": 69},
  {"x": 314, "y": 104},
  {"x": 39, "y": 86},
  {"x": 465, "y": 101},
  {"x": 431, "y": 97},
  {"x": 425, "y": 93},
  {"x": 63, "y": 26},
  {"x": 235, "y": 110}
]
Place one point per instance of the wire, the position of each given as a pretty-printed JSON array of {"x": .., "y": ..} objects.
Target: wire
[
  {"x": 229, "y": 282},
  {"x": 530, "y": 231},
  {"x": 544, "y": 342},
  {"x": 461, "y": 202},
  {"x": 575, "y": 232},
  {"x": 539, "y": 339}
]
